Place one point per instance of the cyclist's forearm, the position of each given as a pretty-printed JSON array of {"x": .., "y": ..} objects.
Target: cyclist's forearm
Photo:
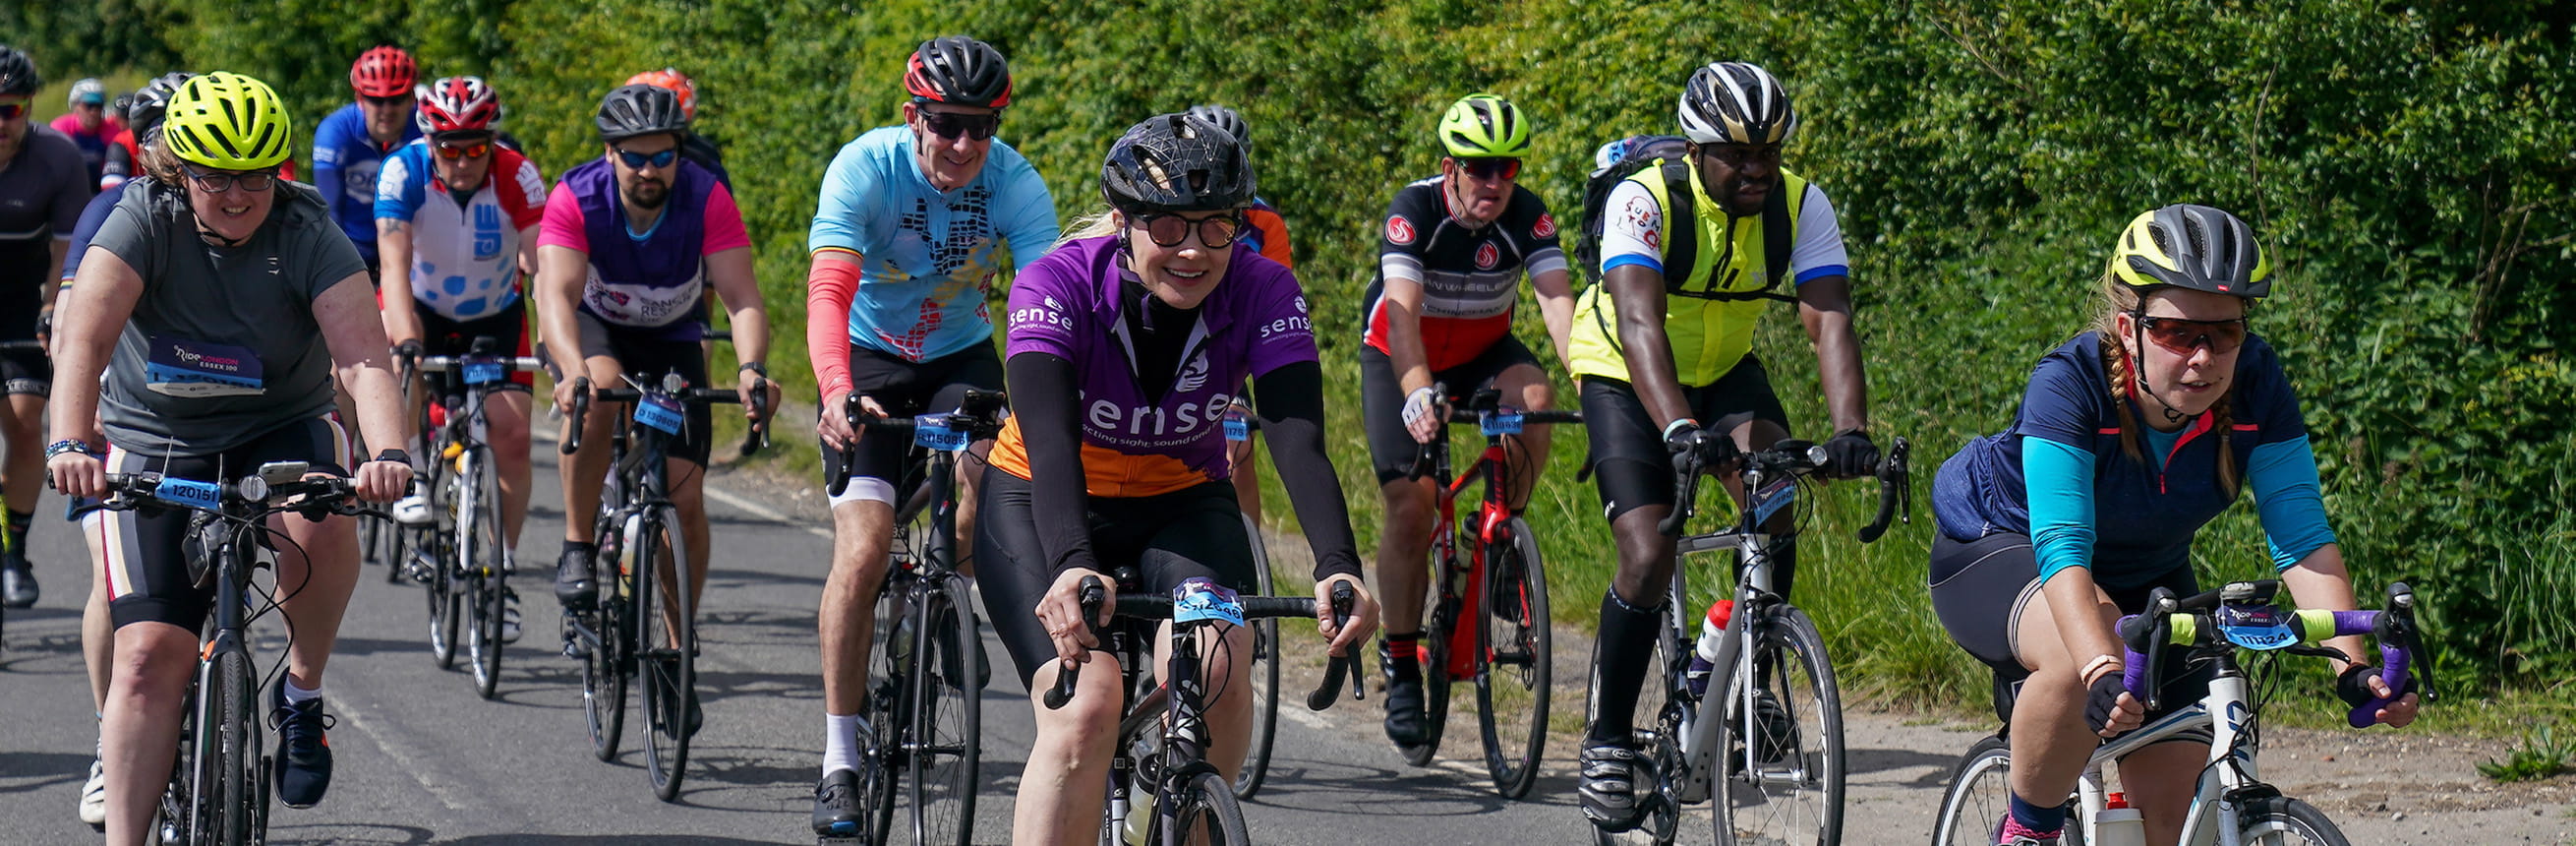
[
  {"x": 750, "y": 325},
  {"x": 1824, "y": 307},
  {"x": 1044, "y": 400},
  {"x": 354, "y": 331},
  {"x": 829, "y": 287},
  {"x": 2321, "y": 582},
  {"x": 85, "y": 333},
  {"x": 1637, "y": 294},
  {"x": 60, "y": 249},
  {"x": 2073, "y": 600},
  {"x": 729, "y": 277},
  {"x": 1292, "y": 420},
  {"x": 1556, "y": 309},
  {"x": 1404, "y": 335},
  {"x": 560, "y": 272}
]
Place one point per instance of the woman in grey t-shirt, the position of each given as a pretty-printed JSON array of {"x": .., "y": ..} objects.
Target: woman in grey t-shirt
[{"x": 218, "y": 300}]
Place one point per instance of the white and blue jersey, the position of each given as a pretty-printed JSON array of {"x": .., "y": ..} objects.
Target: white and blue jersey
[
  {"x": 927, "y": 255},
  {"x": 464, "y": 254},
  {"x": 345, "y": 161}
]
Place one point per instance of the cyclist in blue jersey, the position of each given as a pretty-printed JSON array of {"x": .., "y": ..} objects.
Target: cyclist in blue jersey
[
  {"x": 351, "y": 143},
  {"x": 2130, "y": 438},
  {"x": 903, "y": 246},
  {"x": 629, "y": 245}
]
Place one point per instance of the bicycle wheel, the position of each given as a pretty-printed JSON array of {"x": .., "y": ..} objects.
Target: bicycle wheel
[
  {"x": 665, "y": 640},
  {"x": 889, "y": 696},
  {"x": 1793, "y": 791},
  {"x": 1265, "y": 676},
  {"x": 228, "y": 756},
  {"x": 1513, "y": 679},
  {"x": 1208, "y": 815},
  {"x": 1442, "y": 619},
  {"x": 1657, "y": 726},
  {"x": 2282, "y": 821},
  {"x": 1980, "y": 792},
  {"x": 437, "y": 545},
  {"x": 947, "y": 717},
  {"x": 479, "y": 546}
]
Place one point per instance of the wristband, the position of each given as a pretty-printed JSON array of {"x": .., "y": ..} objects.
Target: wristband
[
  {"x": 1676, "y": 425},
  {"x": 70, "y": 445},
  {"x": 2098, "y": 662},
  {"x": 394, "y": 455}
]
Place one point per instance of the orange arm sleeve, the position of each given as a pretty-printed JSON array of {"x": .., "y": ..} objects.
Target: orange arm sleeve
[{"x": 829, "y": 287}]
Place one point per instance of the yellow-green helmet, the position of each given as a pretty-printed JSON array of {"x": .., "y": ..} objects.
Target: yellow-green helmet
[
  {"x": 1483, "y": 126},
  {"x": 227, "y": 121},
  {"x": 2195, "y": 247}
]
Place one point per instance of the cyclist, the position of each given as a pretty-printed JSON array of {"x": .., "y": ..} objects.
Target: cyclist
[
  {"x": 90, "y": 124},
  {"x": 217, "y": 301},
  {"x": 1268, "y": 236},
  {"x": 1450, "y": 258},
  {"x": 1663, "y": 354},
  {"x": 352, "y": 143},
  {"x": 41, "y": 194},
  {"x": 456, "y": 219},
  {"x": 2130, "y": 438},
  {"x": 1124, "y": 343},
  {"x": 629, "y": 243},
  {"x": 698, "y": 148},
  {"x": 903, "y": 257}
]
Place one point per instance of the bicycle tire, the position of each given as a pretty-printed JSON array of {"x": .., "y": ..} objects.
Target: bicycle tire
[
  {"x": 947, "y": 717},
  {"x": 888, "y": 700},
  {"x": 1443, "y": 623},
  {"x": 437, "y": 542},
  {"x": 1265, "y": 676},
  {"x": 2273, "y": 821},
  {"x": 1662, "y": 744},
  {"x": 1206, "y": 801},
  {"x": 479, "y": 547},
  {"x": 665, "y": 640},
  {"x": 1787, "y": 640},
  {"x": 1978, "y": 796},
  {"x": 1513, "y": 671},
  {"x": 230, "y": 756}
]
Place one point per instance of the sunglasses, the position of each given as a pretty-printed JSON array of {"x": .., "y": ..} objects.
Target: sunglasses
[
  {"x": 1491, "y": 169},
  {"x": 217, "y": 182},
  {"x": 12, "y": 111},
  {"x": 950, "y": 125},
  {"x": 476, "y": 150},
  {"x": 1739, "y": 155},
  {"x": 2183, "y": 336},
  {"x": 93, "y": 106},
  {"x": 396, "y": 100},
  {"x": 640, "y": 161},
  {"x": 1169, "y": 230}
]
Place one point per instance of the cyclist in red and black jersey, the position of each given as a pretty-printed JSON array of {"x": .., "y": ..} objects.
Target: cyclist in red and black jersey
[{"x": 1440, "y": 313}]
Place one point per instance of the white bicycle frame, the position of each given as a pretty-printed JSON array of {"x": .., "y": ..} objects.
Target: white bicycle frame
[
  {"x": 2211, "y": 819},
  {"x": 1700, "y": 737}
]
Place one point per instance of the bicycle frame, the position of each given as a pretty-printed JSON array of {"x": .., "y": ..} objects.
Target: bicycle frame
[
  {"x": 1492, "y": 518},
  {"x": 1753, "y": 597}
]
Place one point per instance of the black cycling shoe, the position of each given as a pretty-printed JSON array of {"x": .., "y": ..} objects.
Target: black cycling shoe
[
  {"x": 303, "y": 749},
  {"x": 17, "y": 582},
  {"x": 1617, "y": 785},
  {"x": 695, "y": 718},
  {"x": 575, "y": 586},
  {"x": 1777, "y": 732},
  {"x": 836, "y": 805},
  {"x": 1405, "y": 722}
]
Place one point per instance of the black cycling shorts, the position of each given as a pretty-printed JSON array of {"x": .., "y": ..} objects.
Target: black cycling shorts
[
  {"x": 1628, "y": 462},
  {"x": 905, "y": 388},
  {"x": 1980, "y": 589},
  {"x": 442, "y": 336},
  {"x": 1169, "y": 538},
  {"x": 148, "y": 577},
  {"x": 644, "y": 355},
  {"x": 26, "y": 371},
  {"x": 1391, "y": 446}
]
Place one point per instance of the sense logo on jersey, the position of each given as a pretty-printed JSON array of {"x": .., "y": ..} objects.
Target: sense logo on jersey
[
  {"x": 1546, "y": 227},
  {"x": 1399, "y": 230},
  {"x": 1050, "y": 314},
  {"x": 1193, "y": 375},
  {"x": 1487, "y": 255},
  {"x": 1153, "y": 427}
]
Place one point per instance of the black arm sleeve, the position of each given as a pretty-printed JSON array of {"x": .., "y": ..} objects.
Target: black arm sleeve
[
  {"x": 1042, "y": 397},
  {"x": 1292, "y": 420}
]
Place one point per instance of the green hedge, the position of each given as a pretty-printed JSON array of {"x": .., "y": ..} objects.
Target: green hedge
[{"x": 2409, "y": 167}]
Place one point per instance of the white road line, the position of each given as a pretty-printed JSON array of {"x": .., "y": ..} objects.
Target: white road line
[
  {"x": 734, "y": 500},
  {"x": 412, "y": 766}
]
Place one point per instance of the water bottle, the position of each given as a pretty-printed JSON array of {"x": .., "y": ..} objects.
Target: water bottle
[
  {"x": 2118, "y": 824},
  {"x": 1140, "y": 818},
  {"x": 1712, "y": 635}
]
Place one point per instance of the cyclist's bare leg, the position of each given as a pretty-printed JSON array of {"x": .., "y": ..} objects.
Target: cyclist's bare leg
[
  {"x": 2160, "y": 780},
  {"x": 139, "y": 732},
  {"x": 1404, "y": 545},
  {"x": 1229, "y": 708},
  {"x": 1525, "y": 386},
  {"x": 314, "y": 577},
  {"x": 582, "y": 474},
  {"x": 1242, "y": 457},
  {"x": 98, "y": 628},
  {"x": 2050, "y": 742},
  {"x": 507, "y": 412},
  {"x": 1645, "y": 556},
  {"x": 22, "y": 437},
  {"x": 970, "y": 482},
  {"x": 862, "y": 536},
  {"x": 1068, "y": 770},
  {"x": 689, "y": 496}
]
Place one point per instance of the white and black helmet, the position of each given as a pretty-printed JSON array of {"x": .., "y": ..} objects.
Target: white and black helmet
[{"x": 1736, "y": 103}]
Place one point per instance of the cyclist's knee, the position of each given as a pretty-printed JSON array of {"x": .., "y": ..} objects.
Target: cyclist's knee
[
  {"x": 1408, "y": 505},
  {"x": 152, "y": 660}
]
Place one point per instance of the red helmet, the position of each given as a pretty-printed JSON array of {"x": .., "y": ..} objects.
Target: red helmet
[
  {"x": 679, "y": 83},
  {"x": 384, "y": 72},
  {"x": 458, "y": 104}
]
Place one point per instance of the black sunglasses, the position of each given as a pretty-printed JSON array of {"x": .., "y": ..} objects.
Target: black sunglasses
[
  {"x": 395, "y": 100},
  {"x": 217, "y": 182},
  {"x": 12, "y": 111},
  {"x": 951, "y": 125},
  {"x": 1739, "y": 155},
  {"x": 1215, "y": 233},
  {"x": 2182, "y": 336},
  {"x": 1491, "y": 169},
  {"x": 640, "y": 161}
]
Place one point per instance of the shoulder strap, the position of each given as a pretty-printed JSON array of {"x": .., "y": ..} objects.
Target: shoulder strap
[
  {"x": 1681, "y": 225},
  {"x": 1776, "y": 229}
]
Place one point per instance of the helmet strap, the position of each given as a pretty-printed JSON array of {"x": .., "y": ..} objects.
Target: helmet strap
[{"x": 2138, "y": 365}]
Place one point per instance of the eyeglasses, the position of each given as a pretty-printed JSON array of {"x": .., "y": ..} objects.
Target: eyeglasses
[
  {"x": 2182, "y": 336},
  {"x": 952, "y": 125},
  {"x": 1491, "y": 169},
  {"x": 396, "y": 100},
  {"x": 217, "y": 182},
  {"x": 1215, "y": 233},
  {"x": 476, "y": 150},
  {"x": 12, "y": 111},
  {"x": 1739, "y": 155},
  {"x": 640, "y": 161}
]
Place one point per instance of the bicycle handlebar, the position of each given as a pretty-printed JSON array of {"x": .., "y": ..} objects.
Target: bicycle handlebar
[
  {"x": 2196, "y": 623},
  {"x": 582, "y": 394},
  {"x": 981, "y": 410},
  {"x": 1152, "y": 606},
  {"x": 1801, "y": 458},
  {"x": 322, "y": 494},
  {"x": 1483, "y": 410},
  {"x": 443, "y": 363}
]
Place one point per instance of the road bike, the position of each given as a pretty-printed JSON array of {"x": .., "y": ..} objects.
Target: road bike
[
  {"x": 465, "y": 564},
  {"x": 1265, "y": 640}
]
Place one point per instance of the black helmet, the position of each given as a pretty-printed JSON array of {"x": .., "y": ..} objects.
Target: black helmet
[
  {"x": 18, "y": 73},
  {"x": 150, "y": 101},
  {"x": 959, "y": 70},
  {"x": 1176, "y": 162},
  {"x": 640, "y": 109},
  {"x": 1228, "y": 120}
]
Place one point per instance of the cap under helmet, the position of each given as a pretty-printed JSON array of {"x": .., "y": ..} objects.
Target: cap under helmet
[
  {"x": 458, "y": 104},
  {"x": 1176, "y": 163},
  {"x": 2195, "y": 247},
  {"x": 88, "y": 88},
  {"x": 227, "y": 121},
  {"x": 640, "y": 109},
  {"x": 958, "y": 70},
  {"x": 384, "y": 72},
  {"x": 1736, "y": 103},
  {"x": 1484, "y": 126}
]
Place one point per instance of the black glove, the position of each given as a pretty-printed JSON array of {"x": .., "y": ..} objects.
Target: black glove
[
  {"x": 1851, "y": 453},
  {"x": 45, "y": 323},
  {"x": 2101, "y": 700},
  {"x": 1713, "y": 450},
  {"x": 2354, "y": 685},
  {"x": 407, "y": 349}
]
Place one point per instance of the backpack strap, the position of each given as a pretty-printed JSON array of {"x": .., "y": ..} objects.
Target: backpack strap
[
  {"x": 1681, "y": 224},
  {"x": 1775, "y": 238}
]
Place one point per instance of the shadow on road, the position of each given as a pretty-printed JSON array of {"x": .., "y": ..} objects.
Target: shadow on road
[
  {"x": 42, "y": 769},
  {"x": 399, "y": 835}
]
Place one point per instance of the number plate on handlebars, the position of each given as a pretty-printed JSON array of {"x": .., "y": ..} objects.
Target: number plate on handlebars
[
  {"x": 939, "y": 432},
  {"x": 1235, "y": 427},
  {"x": 2257, "y": 627},
  {"x": 482, "y": 371},
  {"x": 190, "y": 492},
  {"x": 1774, "y": 497},
  {"x": 661, "y": 412},
  {"x": 1499, "y": 423},
  {"x": 1200, "y": 599}
]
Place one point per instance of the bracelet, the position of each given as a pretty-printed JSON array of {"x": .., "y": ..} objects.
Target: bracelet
[
  {"x": 70, "y": 445},
  {"x": 755, "y": 367},
  {"x": 2098, "y": 662},
  {"x": 1677, "y": 423}
]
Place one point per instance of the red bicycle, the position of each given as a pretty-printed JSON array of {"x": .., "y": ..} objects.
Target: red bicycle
[{"x": 1489, "y": 567}]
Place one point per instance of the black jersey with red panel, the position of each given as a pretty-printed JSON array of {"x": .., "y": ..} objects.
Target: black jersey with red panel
[{"x": 1470, "y": 278}]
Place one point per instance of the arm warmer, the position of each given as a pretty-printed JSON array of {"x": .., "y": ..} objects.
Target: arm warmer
[
  {"x": 1292, "y": 420},
  {"x": 828, "y": 291},
  {"x": 1043, "y": 398},
  {"x": 2286, "y": 493},
  {"x": 2059, "y": 479}
]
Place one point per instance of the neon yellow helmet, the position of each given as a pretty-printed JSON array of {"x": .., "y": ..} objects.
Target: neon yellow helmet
[
  {"x": 227, "y": 121},
  {"x": 1484, "y": 126}
]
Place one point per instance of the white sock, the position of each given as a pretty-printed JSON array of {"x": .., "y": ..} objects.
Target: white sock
[
  {"x": 296, "y": 695},
  {"x": 841, "y": 742}
]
